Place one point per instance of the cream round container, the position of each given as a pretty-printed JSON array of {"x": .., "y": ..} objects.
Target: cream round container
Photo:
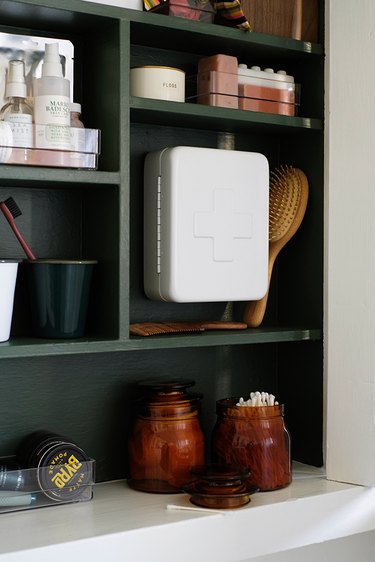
[
  {"x": 158, "y": 82},
  {"x": 63, "y": 469}
]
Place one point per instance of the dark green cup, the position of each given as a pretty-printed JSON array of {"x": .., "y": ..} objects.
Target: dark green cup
[{"x": 59, "y": 294}]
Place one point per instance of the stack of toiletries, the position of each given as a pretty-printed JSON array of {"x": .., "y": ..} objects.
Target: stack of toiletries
[{"x": 45, "y": 131}]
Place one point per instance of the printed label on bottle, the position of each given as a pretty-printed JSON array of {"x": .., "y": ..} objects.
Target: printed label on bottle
[
  {"x": 52, "y": 110},
  {"x": 53, "y": 137},
  {"x": 22, "y": 129}
]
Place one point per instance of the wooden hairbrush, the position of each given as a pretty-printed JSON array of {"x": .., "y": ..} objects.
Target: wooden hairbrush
[
  {"x": 288, "y": 195},
  {"x": 159, "y": 328}
]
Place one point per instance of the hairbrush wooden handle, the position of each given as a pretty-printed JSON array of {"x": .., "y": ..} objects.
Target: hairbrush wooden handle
[{"x": 254, "y": 310}]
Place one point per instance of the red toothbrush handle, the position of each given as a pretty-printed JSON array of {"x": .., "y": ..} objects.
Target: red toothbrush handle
[{"x": 8, "y": 215}]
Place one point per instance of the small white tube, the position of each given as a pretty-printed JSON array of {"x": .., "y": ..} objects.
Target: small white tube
[{"x": 15, "y": 499}]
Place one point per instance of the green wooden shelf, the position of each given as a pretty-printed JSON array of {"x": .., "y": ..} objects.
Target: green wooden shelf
[
  {"x": 193, "y": 115},
  {"x": 181, "y": 31},
  {"x": 27, "y": 176},
  {"x": 32, "y": 347}
]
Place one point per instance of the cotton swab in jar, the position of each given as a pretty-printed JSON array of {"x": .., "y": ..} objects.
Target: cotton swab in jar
[{"x": 257, "y": 399}]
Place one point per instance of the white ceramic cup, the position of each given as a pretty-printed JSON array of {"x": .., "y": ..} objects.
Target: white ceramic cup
[
  {"x": 8, "y": 277},
  {"x": 158, "y": 82}
]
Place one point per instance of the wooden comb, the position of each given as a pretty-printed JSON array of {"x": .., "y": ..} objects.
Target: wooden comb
[
  {"x": 159, "y": 328},
  {"x": 288, "y": 197}
]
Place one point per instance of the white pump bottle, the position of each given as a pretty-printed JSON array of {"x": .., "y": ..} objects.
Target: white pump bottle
[{"x": 52, "y": 103}]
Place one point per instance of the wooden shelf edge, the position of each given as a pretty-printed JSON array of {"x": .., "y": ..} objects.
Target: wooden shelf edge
[
  {"x": 27, "y": 175},
  {"x": 22, "y": 347},
  {"x": 166, "y": 112}
]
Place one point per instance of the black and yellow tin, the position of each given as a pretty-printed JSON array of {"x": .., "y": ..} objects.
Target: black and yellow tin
[{"x": 64, "y": 469}]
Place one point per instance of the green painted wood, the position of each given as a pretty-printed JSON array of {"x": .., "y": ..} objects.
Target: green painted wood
[
  {"x": 28, "y": 176},
  {"x": 216, "y": 118},
  {"x": 33, "y": 347},
  {"x": 86, "y": 388},
  {"x": 90, "y": 398}
]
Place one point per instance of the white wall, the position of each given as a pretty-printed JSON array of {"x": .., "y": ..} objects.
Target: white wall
[
  {"x": 359, "y": 548},
  {"x": 350, "y": 240}
]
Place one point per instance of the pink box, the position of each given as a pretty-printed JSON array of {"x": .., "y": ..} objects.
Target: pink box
[{"x": 218, "y": 89}]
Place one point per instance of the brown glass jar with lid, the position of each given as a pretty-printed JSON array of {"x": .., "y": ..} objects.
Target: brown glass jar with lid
[
  {"x": 255, "y": 438},
  {"x": 167, "y": 438}
]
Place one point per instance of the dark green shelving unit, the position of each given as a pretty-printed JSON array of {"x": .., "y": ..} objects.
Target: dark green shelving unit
[{"x": 85, "y": 388}]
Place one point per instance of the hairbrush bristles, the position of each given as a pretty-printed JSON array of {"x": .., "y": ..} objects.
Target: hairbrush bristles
[
  {"x": 13, "y": 207},
  {"x": 11, "y": 210},
  {"x": 284, "y": 200}
]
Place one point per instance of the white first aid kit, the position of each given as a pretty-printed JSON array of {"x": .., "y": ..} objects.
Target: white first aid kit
[{"x": 205, "y": 225}]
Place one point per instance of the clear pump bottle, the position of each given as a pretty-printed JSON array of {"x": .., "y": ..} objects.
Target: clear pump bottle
[{"x": 18, "y": 113}]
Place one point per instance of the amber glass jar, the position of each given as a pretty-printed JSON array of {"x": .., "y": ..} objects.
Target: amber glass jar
[
  {"x": 254, "y": 437},
  {"x": 167, "y": 438}
]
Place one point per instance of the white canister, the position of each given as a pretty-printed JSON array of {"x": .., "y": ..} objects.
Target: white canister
[
  {"x": 158, "y": 82},
  {"x": 8, "y": 276}
]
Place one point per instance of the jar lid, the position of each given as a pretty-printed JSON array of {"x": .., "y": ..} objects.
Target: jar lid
[
  {"x": 168, "y": 391},
  {"x": 62, "y": 468},
  {"x": 167, "y": 385},
  {"x": 220, "y": 473},
  {"x": 64, "y": 471}
]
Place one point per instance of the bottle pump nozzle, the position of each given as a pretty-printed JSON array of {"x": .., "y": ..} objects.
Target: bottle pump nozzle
[
  {"x": 51, "y": 64},
  {"x": 15, "y": 84}
]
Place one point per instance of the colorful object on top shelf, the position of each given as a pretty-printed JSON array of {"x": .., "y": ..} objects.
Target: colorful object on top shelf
[
  {"x": 198, "y": 10},
  {"x": 229, "y": 13}
]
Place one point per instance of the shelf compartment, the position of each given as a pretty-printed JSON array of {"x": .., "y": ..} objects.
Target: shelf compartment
[
  {"x": 155, "y": 29},
  {"x": 96, "y": 40},
  {"x": 68, "y": 224}
]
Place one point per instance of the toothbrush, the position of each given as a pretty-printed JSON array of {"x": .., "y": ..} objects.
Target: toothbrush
[{"x": 11, "y": 211}]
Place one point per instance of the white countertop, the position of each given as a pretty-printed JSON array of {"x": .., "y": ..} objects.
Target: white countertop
[{"x": 122, "y": 524}]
